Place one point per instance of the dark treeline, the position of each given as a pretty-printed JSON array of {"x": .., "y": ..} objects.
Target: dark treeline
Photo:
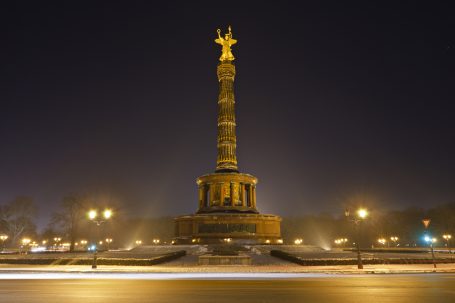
[
  {"x": 405, "y": 224},
  {"x": 71, "y": 224}
]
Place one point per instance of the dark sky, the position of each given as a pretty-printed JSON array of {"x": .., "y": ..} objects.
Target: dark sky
[{"x": 335, "y": 102}]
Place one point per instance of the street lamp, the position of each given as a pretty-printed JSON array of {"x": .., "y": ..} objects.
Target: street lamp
[
  {"x": 93, "y": 216},
  {"x": 394, "y": 240},
  {"x": 431, "y": 240},
  {"x": 25, "y": 242},
  {"x": 341, "y": 241},
  {"x": 428, "y": 239},
  {"x": 3, "y": 238},
  {"x": 361, "y": 214},
  {"x": 447, "y": 237},
  {"x": 382, "y": 241},
  {"x": 108, "y": 241},
  {"x": 56, "y": 240},
  {"x": 107, "y": 214}
]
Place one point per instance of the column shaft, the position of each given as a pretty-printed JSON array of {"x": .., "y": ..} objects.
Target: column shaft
[{"x": 227, "y": 159}]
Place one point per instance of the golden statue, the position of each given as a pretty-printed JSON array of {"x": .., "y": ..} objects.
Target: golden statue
[{"x": 226, "y": 43}]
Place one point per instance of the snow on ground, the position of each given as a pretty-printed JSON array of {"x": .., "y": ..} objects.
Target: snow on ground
[
  {"x": 7, "y": 270},
  {"x": 260, "y": 254}
]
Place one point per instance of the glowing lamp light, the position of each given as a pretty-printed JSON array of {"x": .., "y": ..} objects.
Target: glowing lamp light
[
  {"x": 298, "y": 241},
  {"x": 340, "y": 241},
  {"x": 382, "y": 241},
  {"x": 429, "y": 239},
  {"x": 362, "y": 213},
  {"x": 92, "y": 214},
  {"x": 107, "y": 213}
]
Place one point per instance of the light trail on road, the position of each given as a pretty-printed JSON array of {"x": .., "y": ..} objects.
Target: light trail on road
[
  {"x": 159, "y": 276},
  {"x": 228, "y": 288}
]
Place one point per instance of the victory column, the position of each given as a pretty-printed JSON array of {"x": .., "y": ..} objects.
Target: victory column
[{"x": 227, "y": 198}]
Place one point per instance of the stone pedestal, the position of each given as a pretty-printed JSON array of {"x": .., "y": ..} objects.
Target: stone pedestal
[
  {"x": 224, "y": 260},
  {"x": 220, "y": 228}
]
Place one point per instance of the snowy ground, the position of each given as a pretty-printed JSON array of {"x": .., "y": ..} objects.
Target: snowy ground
[
  {"x": 7, "y": 270},
  {"x": 261, "y": 260}
]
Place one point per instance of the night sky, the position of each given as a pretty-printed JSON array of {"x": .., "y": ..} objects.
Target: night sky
[{"x": 334, "y": 102}]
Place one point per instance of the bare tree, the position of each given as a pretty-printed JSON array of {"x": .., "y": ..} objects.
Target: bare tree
[
  {"x": 70, "y": 216},
  {"x": 16, "y": 218}
]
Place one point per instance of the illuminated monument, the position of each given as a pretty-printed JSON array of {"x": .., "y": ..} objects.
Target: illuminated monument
[{"x": 227, "y": 198}]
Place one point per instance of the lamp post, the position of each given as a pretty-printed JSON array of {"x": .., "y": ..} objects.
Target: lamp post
[
  {"x": 108, "y": 241},
  {"x": 431, "y": 240},
  {"x": 426, "y": 223},
  {"x": 341, "y": 241},
  {"x": 25, "y": 242},
  {"x": 382, "y": 241},
  {"x": 83, "y": 243},
  {"x": 93, "y": 216},
  {"x": 357, "y": 219},
  {"x": 3, "y": 238},
  {"x": 56, "y": 241},
  {"x": 394, "y": 240},
  {"x": 447, "y": 237}
]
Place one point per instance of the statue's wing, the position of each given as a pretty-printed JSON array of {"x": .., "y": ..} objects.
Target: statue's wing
[
  {"x": 218, "y": 40},
  {"x": 233, "y": 41}
]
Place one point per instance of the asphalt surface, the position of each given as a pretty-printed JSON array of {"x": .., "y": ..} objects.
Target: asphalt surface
[{"x": 308, "y": 288}]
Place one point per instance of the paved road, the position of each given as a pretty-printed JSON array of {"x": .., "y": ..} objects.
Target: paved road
[{"x": 311, "y": 288}]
